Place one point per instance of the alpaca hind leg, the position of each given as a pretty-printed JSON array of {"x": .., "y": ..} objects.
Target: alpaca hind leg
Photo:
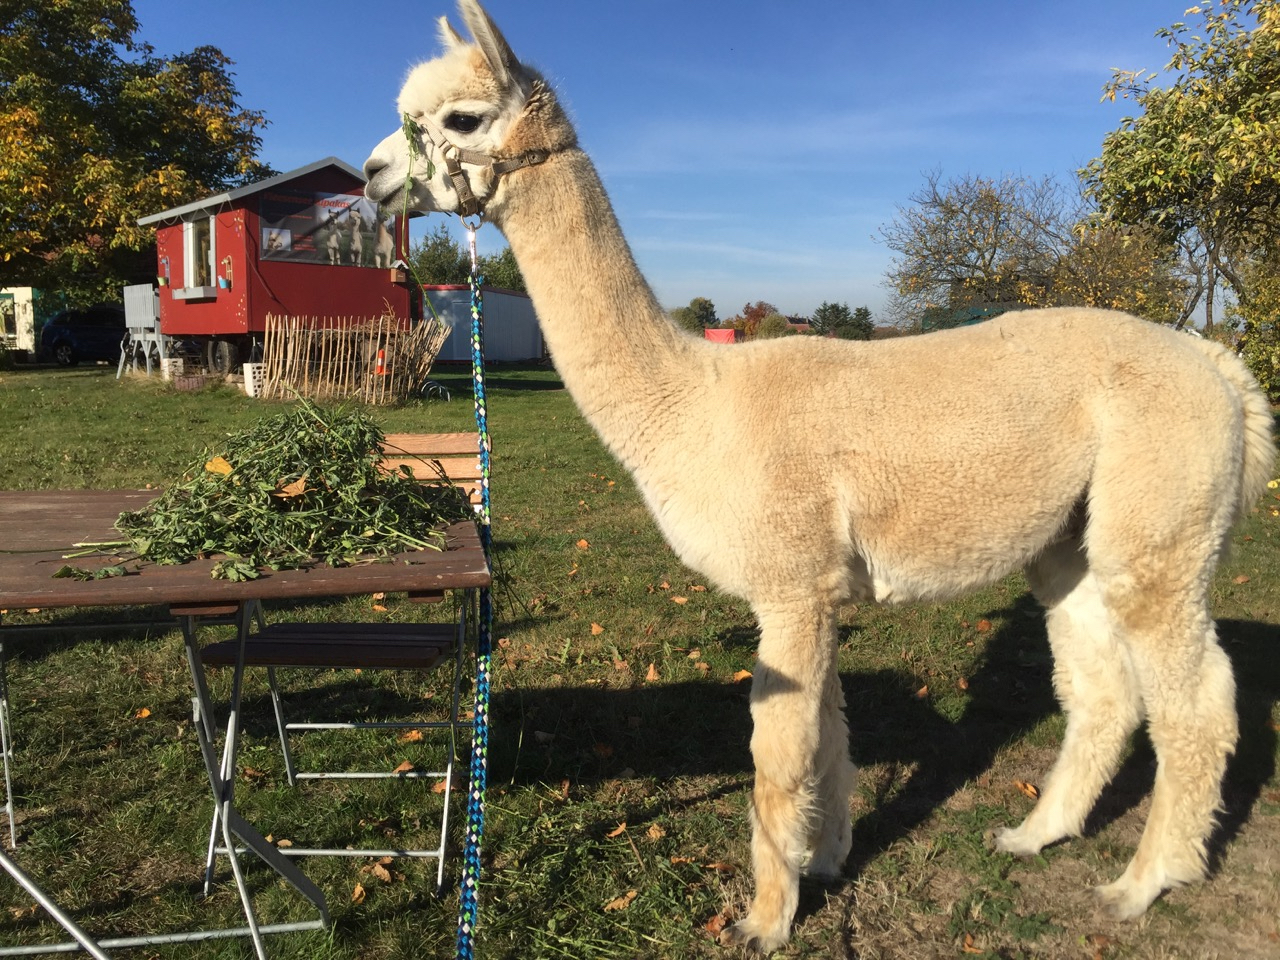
[
  {"x": 833, "y": 830},
  {"x": 797, "y": 657},
  {"x": 1093, "y": 679},
  {"x": 1189, "y": 692}
]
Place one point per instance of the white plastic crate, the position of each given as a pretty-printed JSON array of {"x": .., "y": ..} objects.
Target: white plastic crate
[{"x": 255, "y": 379}]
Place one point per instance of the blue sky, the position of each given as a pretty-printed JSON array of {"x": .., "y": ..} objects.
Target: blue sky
[{"x": 752, "y": 150}]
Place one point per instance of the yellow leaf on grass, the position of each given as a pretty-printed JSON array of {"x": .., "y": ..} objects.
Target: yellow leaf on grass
[
  {"x": 655, "y": 832},
  {"x": 679, "y": 599},
  {"x": 411, "y": 736},
  {"x": 596, "y": 629},
  {"x": 439, "y": 786},
  {"x": 741, "y": 675},
  {"x": 695, "y": 654},
  {"x": 379, "y": 608},
  {"x": 219, "y": 465},
  {"x": 652, "y": 674},
  {"x": 922, "y": 692},
  {"x": 142, "y": 714},
  {"x": 358, "y": 894},
  {"x": 716, "y": 924},
  {"x": 1029, "y": 789},
  {"x": 583, "y": 545},
  {"x": 969, "y": 946},
  {"x": 617, "y": 831},
  {"x": 622, "y": 902},
  {"x": 403, "y": 768}
]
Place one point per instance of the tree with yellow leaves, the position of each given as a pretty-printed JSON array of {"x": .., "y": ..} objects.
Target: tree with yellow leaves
[
  {"x": 1201, "y": 161},
  {"x": 97, "y": 130}
]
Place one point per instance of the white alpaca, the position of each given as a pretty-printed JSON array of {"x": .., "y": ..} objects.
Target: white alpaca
[
  {"x": 384, "y": 247},
  {"x": 354, "y": 222},
  {"x": 333, "y": 245},
  {"x": 1107, "y": 456}
]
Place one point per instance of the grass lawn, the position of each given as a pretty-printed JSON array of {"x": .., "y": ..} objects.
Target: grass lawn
[{"x": 619, "y": 764}]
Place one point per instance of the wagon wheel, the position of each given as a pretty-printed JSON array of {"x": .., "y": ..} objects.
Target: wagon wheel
[{"x": 221, "y": 356}]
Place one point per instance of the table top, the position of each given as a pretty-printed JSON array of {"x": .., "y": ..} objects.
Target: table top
[{"x": 38, "y": 528}]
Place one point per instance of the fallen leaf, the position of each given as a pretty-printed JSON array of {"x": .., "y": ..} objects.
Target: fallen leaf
[
  {"x": 295, "y": 489},
  {"x": 652, "y": 674},
  {"x": 411, "y": 736},
  {"x": 695, "y": 654},
  {"x": 969, "y": 945},
  {"x": 722, "y": 867},
  {"x": 679, "y": 599},
  {"x": 622, "y": 902},
  {"x": 583, "y": 545},
  {"x": 379, "y": 596},
  {"x": 1028, "y": 789},
  {"x": 698, "y": 588},
  {"x": 703, "y": 667},
  {"x": 596, "y": 629},
  {"x": 655, "y": 832},
  {"x": 379, "y": 608},
  {"x": 741, "y": 675},
  {"x": 678, "y": 860},
  {"x": 664, "y": 585},
  {"x": 358, "y": 894},
  {"x": 142, "y": 714},
  {"x": 403, "y": 768},
  {"x": 922, "y": 692},
  {"x": 962, "y": 683},
  {"x": 564, "y": 789},
  {"x": 621, "y": 666},
  {"x": 381, "y": 872},
  {"x": 983, "y": 627},
  {"x": 440, "y": 786},
  {"x": 219, "y": 465},
  {"x": 250, "y": 773},
  {"x": 1241, "y": 579},
  {"x": 617, "y": 831},
  {"x": 284, "y": 844},
  {"x": 716, "y": 924}
]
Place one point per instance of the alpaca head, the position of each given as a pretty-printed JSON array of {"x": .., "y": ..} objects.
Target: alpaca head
[{"x": 475, "y": 105}]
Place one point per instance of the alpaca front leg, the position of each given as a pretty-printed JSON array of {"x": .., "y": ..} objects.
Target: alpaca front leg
[{"x": 797, "y": 658}]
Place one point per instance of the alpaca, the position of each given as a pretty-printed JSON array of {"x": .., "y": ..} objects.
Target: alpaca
[
  {"x": 354, "y": 222},
  {"x": 332, "y": 245},
  {"x": 384, "y": 247},
  {"x": 1049, "y": 428}
]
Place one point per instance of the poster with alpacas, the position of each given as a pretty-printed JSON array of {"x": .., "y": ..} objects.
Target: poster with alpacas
[
  {"x": 1051, "y": 427},
  {"x": 335, "y": 229}
]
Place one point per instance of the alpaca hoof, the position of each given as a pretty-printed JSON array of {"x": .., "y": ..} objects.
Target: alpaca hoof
[
  {"x": 754, "y": 942},
  {"x": 1010, "y": 840},
  {"x": 1122, "y": 900}
]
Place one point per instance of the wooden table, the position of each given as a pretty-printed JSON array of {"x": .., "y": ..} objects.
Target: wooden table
[{"x": 37, "y": 529}]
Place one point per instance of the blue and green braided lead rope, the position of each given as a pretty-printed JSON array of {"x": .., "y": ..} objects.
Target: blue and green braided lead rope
[{"x": 468, "y": 910}]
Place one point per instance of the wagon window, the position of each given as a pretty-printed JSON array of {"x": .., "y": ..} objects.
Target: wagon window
[{"x": 198, "y": 253}]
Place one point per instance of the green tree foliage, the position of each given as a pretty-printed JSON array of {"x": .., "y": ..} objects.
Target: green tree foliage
[
  {"x": 697, "y": 316},
  {"x": 1200, "y": 160},
  {"x": 773, "y": 326},
  {"x": 97, "y": 130},
  {"x": 440, "y": 258},
  {"x": 837, "y": 320}
]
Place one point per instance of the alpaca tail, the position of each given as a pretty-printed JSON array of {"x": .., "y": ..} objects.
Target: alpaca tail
[{"x": 1259, "y": 453}]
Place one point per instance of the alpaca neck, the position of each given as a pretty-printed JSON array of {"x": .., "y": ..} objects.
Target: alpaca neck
[{"x": 621, "y": 357}]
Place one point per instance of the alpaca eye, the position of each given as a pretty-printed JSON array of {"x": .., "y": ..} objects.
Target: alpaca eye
[{"x": 462, "y": 122}]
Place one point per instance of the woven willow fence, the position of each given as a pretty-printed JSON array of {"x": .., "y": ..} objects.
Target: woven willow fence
[{"x": 376, "y": 361}]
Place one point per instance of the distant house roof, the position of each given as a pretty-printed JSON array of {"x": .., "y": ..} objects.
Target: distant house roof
[{"x": 227, "y": 196}]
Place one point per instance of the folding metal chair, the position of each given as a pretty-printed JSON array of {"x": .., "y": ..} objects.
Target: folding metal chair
[{"x": 373, "y": 646}]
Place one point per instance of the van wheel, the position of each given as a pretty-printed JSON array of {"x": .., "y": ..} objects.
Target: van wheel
[{"x": 64, "y": 355}]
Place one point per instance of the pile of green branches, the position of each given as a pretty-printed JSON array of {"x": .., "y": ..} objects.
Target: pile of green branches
[{"x": 300, "y": 487}]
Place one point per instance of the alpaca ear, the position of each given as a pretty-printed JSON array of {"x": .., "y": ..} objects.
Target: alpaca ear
[
  {"x": 497, "y": 52},
  {"x": 450, "y": 37}
]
